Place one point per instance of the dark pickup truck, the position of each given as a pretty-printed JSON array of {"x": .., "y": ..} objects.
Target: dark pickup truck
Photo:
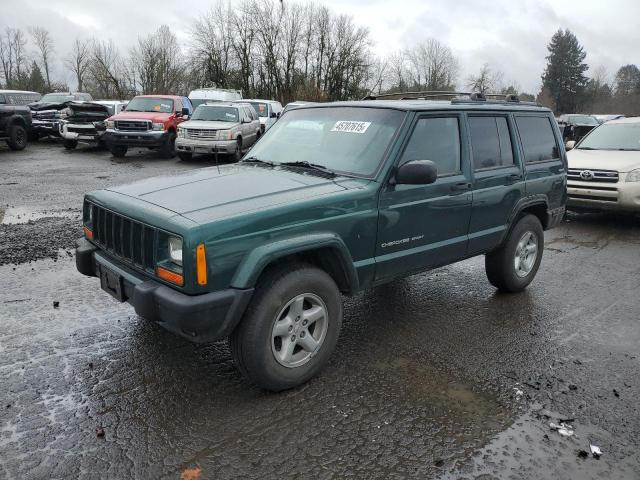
[
  {"x": 15, "y": 117},
  {"x": 48, "y": 111}
]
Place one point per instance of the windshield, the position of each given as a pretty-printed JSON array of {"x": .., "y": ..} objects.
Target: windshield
[
  {"x": 344, "y": 139},
  {"x": 613, "y": 136},
  {"x": 216, "y": 114},
  {"x": 583, "y": 119},
  {"x": 56, "y": 98},
  {"x": 149, "y": 104},
  {"x": 262, "y": 109}
]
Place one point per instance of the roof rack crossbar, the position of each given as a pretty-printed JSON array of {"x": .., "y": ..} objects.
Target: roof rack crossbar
[{"x": 456, "y": 97}]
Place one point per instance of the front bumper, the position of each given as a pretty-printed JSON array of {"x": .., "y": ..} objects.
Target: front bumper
[
  {"x": 79, "y": 132},
  {"x": 201, "y": 146},
  {"x": 621, "y": 196},
  {"x": 45, "y": 127},
  {"x": 199, "y": 318},
  {"x": 148, "y": 139}
]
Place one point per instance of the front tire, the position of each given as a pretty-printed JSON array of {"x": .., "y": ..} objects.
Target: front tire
[
  {"x": 237, "y": 154},
  {"x": 17, "y": 137},
  {"x": 513, "y": 266},
  {"x": 184, "y": 156},
  {"x": 117, "y": 151},
  {"x": 70, "y": 144},
  {"x": 290, "y": 329},
  {"x": 169, "y": 148}
]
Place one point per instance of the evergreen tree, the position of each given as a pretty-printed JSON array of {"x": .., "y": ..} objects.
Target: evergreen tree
[
  {"x": 36, "y": 80},
  {"x": 564, "y": 76}
]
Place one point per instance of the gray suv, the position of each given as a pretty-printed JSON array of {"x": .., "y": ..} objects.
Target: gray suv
[{"x": 227, "y": 128}]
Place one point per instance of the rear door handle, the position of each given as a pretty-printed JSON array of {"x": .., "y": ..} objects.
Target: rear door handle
[
  {"x": 513, "y": 178},
  {"x": 460, "y": 187}
]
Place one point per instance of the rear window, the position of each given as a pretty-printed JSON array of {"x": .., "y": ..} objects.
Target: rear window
[
  {"x": 20, "y": 98},
  {"x": 490, "y": 142},
  {"x": 538, "y": 141}
]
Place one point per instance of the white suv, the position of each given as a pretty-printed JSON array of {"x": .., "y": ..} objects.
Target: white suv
[
  {"x": 268, "y": 111},
  {"x": 604, "y": 168},
  {"x": 228, "y": 128}
]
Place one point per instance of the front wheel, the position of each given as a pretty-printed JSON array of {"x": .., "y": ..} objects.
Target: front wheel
[
  {"x": 17, "y": 137},
  {"x": 185, "y": 156},
  {"x": 118, "y": 151},
  {"x": 70, "y": 144},
  {"x": 237, "y": 154},
  {"x": 290, "y": 328},
  {"x": 513, "y": 266},
  {"x": 169, "y": 148}
]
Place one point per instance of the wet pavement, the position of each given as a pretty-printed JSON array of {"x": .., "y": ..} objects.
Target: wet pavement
[{"x": 434, "y": 376}]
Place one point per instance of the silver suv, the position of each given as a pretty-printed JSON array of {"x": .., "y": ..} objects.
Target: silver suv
[{"x": 227, "y": 128}]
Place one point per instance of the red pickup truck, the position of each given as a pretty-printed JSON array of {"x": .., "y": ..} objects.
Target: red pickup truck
[{"x": 149, "y": 121}]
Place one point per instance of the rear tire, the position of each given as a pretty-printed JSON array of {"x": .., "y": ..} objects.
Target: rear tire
[
  {"x": 290, "y": 328},
  {"x": 513, "y": 266},
  {"x": 17, "y": 137},
  {"x": 117, "y": 151},
  {"x": 184, "y": 156},
  {"x": 70, "y": 144}
]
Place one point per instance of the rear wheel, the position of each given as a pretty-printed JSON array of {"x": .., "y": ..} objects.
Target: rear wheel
[
  {"x": 17, "y": 137},
  {"x": 290, "y": 328},
  {"x": 70, "y": 144},
  {"x": 514, "y": 265},
  {"x": 118, "y": 151},
  {"x": 185, "y": 156},
  {"x": 168, "y": 150}
]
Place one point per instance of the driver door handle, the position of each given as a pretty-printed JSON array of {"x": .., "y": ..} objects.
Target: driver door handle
[
  {"x": 513, "y": 178},
  {"x": 460, "y": 187}
]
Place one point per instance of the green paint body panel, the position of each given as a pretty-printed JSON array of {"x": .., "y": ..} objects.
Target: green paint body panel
[{"x": 250, "y": 215}]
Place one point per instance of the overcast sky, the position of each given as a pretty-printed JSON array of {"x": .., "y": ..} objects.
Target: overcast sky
[{"x": 510, "y": 35}]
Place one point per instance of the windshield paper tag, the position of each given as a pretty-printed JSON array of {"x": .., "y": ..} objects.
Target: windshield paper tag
[{"x": 350, "y": 126}]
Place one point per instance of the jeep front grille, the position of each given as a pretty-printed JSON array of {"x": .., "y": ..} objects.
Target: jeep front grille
[
  {"x": 201, "y": 134},
  {"x": 127, "y": 239},
  {"x": 604, "y": 176},
  {"x": 133, "y": 125}
]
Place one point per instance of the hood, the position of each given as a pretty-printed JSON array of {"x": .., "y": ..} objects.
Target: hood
[
  {"x": 157, "y": 117},
  {"x": 211, "y": 193},
  {"x": 39, "y": 106},
  {"x": 209, "y": 125},
  {"x": 87, "y": 107},
  {"x": 603, "y": 159}
]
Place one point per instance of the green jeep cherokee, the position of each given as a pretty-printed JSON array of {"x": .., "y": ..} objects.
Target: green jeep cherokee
[{"x": 334, "y": 198}]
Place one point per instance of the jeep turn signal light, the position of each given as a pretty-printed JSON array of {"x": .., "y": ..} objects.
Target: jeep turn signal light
[
  {"x": 170, "y": 276},
  {"x": 201, "y": 265},
  {"x": 88, "y": 233}
]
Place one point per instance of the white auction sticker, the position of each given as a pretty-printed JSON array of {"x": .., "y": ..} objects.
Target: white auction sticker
[{"x": 349, "y": 126}]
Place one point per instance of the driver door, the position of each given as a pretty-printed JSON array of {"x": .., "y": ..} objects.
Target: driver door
[{"x": 426, "y": 226}]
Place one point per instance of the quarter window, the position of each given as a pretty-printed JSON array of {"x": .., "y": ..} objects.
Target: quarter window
[
  {"x": 436, "y": 139},
  {"x": 538, "y": 141},
  {"x": 490, "y": 142}
]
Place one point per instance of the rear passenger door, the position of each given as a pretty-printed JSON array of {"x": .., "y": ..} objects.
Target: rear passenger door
[
  {"x": 424, "y": 226},
  {"x": 544, "y": 160},
  {"x": 498, "y": 180}
]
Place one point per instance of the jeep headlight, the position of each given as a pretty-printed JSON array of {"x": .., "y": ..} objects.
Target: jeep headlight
[
  {"x": 157, "y": 126},
  {"x": 181, "y": 132},
  {"x": 634, "y": 175},
  {"x": 175, "y": 250}
]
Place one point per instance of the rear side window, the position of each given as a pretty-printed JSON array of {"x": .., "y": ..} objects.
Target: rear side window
[
  {"x": 438, "y": 140},
  {"x": 490, "y": 142},
  {"x": 538, "y": 141},
  {"x": 2, "y": 99}
]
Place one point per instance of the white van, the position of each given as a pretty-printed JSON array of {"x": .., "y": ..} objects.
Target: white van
[
  {"x": 203, "y": 95},
  {"x": 268, "y": 111}
]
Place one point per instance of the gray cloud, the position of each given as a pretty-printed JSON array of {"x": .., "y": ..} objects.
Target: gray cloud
[{"x": 510, "y": 36}]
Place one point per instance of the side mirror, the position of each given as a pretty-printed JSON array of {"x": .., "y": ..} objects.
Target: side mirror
[
  {"x": 570, "y": 145},
  {"x": 274, "y": 115},
  {"x": 416, "y": 172},
  {"x": 185, "y": 112}
]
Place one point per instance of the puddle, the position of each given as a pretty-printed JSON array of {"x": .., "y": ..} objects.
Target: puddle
[{"x": 18, "y": 215}]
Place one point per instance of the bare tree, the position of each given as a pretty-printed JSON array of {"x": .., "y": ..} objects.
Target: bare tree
[
  {"x": 107, "y": 76},
  {"x": 485, "y": 81},
  {"x": 14, "y": 58},
  {"x": 432, "y": 66},
  {"x": 156, "y": 62},
  {"x": 44, "y": 44},
  {"x": 79, "y": 61}
]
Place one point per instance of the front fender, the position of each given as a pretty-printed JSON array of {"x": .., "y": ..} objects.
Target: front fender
[{"x": 253, "y": 264}]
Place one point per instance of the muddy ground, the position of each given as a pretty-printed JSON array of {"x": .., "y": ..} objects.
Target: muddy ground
[{"x": 435, "y": 376}]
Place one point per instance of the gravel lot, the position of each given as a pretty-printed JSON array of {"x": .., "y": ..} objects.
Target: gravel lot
[{"x": 435, "y": 376}]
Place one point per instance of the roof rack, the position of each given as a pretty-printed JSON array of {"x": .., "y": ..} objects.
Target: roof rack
[{"x": 455, "y": 97}]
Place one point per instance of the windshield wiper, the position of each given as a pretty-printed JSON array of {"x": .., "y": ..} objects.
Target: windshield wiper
[
  {"x": 258, "y": 160},
  {"x": 587, "y": 148},
  {"x": 310, "y": 166}
]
